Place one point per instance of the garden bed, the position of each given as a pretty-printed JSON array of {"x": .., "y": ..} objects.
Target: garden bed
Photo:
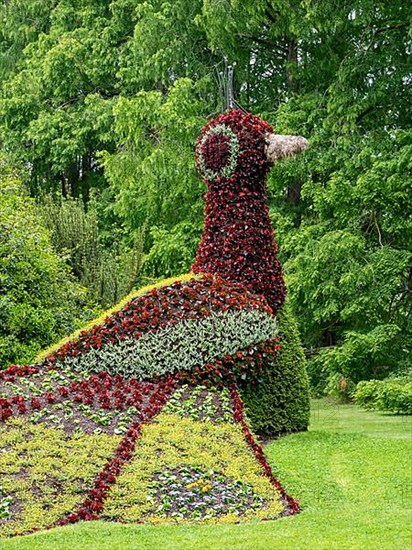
[{"x": 82, "y": 446}]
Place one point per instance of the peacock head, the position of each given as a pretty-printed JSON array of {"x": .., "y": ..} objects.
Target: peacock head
[{"x": 240, "y": 147}]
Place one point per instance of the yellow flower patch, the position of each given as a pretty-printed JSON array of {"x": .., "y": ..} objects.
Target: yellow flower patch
[
  {"x": 46, "y": 472},
  {"x": 176, "y": 443}
]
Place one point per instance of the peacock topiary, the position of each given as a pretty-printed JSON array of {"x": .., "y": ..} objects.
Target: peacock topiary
[{"x": 192, "y": 346}]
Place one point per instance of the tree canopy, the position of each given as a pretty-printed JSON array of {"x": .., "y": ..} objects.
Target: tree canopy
[{"x": 106, "y": 98}]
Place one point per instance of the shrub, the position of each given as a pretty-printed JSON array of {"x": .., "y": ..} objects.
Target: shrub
[
  {"x": 389, "y": 395},
  {"x": 39, "y": 301},
  {"x": 279, "y": 403}
]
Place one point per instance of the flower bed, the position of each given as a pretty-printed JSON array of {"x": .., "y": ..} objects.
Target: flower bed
[
  {"x": 83, "y": 446},
  {"x": 181, "y": 326},
  {"x": 45, "y": 472},
  {"x": 97, "y": 403},
  {"x": 193, "y": 463},
  {"x": 64, "y": 437}
]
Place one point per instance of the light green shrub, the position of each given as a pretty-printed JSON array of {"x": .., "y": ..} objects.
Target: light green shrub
[{"x": 389, "y": 395}]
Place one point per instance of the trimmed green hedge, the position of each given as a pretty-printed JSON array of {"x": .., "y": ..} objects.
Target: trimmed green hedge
[{"x": 280, "y": 404}]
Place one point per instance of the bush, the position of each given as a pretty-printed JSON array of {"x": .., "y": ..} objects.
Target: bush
[
  {"x": 39, "y": 301},
  {"x": 389, "y": 395},
  {"x": 280, "y": 403}
]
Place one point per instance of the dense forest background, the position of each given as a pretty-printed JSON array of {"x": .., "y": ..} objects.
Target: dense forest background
[{"x": 100, "y": 106}]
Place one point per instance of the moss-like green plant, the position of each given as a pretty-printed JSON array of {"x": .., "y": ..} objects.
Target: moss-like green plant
[
  {"x": 279, "y": 402},
  {"x": 174, "y": 442},
  {"x": 46, "y": 473}
]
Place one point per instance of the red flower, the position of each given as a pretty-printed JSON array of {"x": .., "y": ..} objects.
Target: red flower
[
  {"x": 51, "y": 398},
  {"x": 35, "y": 403}
]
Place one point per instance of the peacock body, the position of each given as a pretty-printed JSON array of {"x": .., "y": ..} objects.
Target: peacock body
[{"x": 237, "y": 288}]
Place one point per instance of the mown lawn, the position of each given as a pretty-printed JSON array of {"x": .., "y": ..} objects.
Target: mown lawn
[{"x": 351, "y": 473}]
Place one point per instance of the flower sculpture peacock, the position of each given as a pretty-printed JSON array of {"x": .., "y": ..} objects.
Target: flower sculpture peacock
[
  {"x": 214, "y": 327},
  {"x": 207, "y": 325}
]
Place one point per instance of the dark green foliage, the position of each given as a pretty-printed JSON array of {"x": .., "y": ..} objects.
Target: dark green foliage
[
  {"x": 393, "y": 394},
  {"x": 280, "y": 404},
  {"x": 349, "y": 259}
]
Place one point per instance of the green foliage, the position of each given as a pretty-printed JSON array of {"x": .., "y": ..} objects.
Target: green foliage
[
  {"x": 107, "y": 273},
  {"x": 393, "y": 394},
  {"x": 349, "y": 263},
  {"x": 21, "y": 23},
  {"x": 153, "y": 175},
  {"x": 280, "y": 404},
  {"x": 52, "y": 106},
  {"x": 39, "y": 300},
  {"x": 172, "y": 250}
]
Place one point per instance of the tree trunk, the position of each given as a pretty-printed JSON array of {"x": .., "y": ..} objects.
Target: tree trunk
[{"x": 292, "y": 61}]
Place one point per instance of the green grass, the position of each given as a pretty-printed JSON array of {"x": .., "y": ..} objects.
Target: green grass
[{"x": 351, "y": 472}]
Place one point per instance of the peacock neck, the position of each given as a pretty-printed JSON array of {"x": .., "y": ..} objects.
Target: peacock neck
[{"x": 238, "y": 242}]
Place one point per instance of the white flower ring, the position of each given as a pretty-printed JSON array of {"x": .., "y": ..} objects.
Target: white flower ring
[{"x": 227, "y": 169}]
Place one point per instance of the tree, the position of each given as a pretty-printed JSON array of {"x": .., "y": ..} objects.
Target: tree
[
  {"x": 111, "y": 95},
  {"x": 39, "y": 300},
  {"x": 108, "y": 273}
]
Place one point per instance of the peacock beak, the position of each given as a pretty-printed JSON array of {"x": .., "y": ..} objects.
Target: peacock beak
[{"x": 278, "y": 146}]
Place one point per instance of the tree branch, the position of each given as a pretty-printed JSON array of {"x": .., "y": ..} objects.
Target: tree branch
[
  {"x": 265, "y": 42},
  {"x": 392, "y": 28}
]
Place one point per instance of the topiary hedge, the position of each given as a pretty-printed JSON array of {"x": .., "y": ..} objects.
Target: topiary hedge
[{"x": 279, "y": 402}]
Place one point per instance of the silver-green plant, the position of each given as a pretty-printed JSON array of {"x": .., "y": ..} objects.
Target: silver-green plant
[{"x": 183, "y": 346}]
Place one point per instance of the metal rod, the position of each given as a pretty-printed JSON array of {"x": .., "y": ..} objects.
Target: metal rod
[{"x": 230, "y": 98}]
